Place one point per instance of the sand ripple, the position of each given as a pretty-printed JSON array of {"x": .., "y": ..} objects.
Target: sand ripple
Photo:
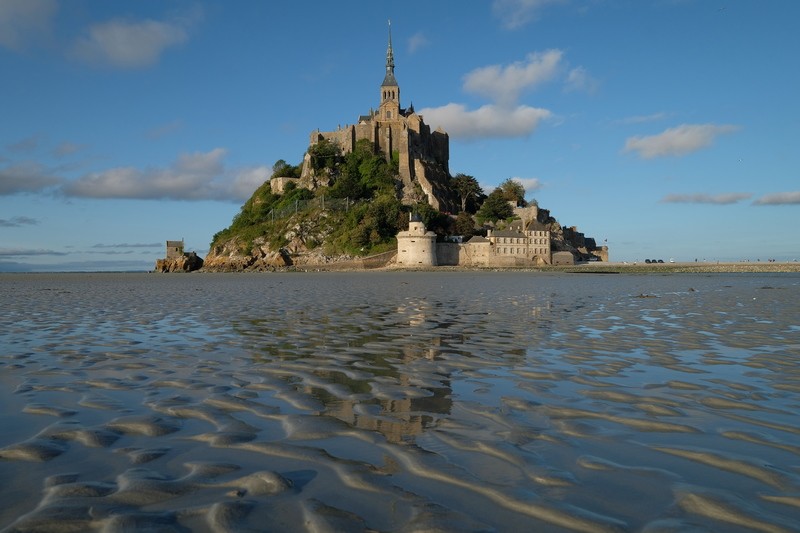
[{"x": 400, "y": 402}]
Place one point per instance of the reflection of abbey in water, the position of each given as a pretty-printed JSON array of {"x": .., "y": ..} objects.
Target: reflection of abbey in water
[{"x": 398, "y": 407}]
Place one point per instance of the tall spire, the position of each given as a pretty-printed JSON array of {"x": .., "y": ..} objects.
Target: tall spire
[
  {"x": 389, "y": 78},
  {"x": 389, "y": 53}
]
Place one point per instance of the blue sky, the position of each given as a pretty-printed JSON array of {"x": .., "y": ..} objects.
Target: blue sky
[{"x": 669, "y": 128}]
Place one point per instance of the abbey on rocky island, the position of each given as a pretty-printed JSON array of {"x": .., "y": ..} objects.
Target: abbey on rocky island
[
  {"x": 423, "y": 155},
  {"x": 534, "y": 238}
]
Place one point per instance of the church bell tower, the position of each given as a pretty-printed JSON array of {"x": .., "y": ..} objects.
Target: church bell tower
[{"x": 390, "y": 90}]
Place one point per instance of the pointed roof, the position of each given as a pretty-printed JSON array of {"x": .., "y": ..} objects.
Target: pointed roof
[{"x": 389, "y": 79}]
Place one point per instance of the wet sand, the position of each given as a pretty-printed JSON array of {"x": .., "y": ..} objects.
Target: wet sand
[{"x": 397, "y": 401}]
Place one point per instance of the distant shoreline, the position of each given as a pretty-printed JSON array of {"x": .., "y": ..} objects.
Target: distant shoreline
[
  {"x": 581, "y": 268},
  {"x": 688, "y": 267}
]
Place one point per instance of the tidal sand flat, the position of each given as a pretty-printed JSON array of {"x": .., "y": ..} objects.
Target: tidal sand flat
[{"x": 391, "y": 401}]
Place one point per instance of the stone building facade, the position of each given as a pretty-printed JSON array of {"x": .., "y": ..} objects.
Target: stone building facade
[
  {"x": 174, "y": 249},
  {"x": 521, "y": 245},
  {"x": 423, "y": 155}
]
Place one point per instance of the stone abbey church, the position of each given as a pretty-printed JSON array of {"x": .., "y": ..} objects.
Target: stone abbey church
[{"x": 423, "y": 154}]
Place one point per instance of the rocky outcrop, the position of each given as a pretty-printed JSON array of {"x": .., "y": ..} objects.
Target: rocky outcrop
[
  {"x": 189, "y": 262},
  {"x": 230, "y": 257}
]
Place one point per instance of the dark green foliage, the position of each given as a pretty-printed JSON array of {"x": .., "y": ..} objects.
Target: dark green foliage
[
  {"x": 464, "y": 225},
  {"x": 468, "y": 191},
  {"x": 369, "y": 224},
  {"x": 513, "y": 191},
  {"x": 282, "y": 169},
  {"x": 363, "y": 174},
  {"x": 434, "y": 220},
  {"x": 495, "y": 207},
  {"x": 324, "y": 154}
]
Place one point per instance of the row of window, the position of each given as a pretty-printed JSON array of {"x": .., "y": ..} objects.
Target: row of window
[
  {"x": 520, "y": 251},
  {"x": 389, "y": 94},
  {"x": 519, "y": 240}
]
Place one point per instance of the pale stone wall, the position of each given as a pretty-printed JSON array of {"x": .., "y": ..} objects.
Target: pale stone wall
[
  {"x": 416, "y": 247},
  {"x": 277, "y": 185},
  {"x": 174, "y": 249},
  {"x": 563, "y": 258}
]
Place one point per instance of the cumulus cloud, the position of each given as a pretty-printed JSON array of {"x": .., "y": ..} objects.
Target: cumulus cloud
[
  {"x": 487, "y": 121},
  {"x": 16, "y": 222},
  {"x": 22, "y": 22},
  {"x": 579, "y": 80},
  {"x": 715, "y": 199},
  {"x": 504, "y": 84},
  {"x": 131, "y": 43},
  {"x": 197, "y": 176},
  {"x": 780, "y": 198},
  {"x": 678, "y": 141},
  {"x": 25, "y": 177},
  {"x": 530, "y": 184},
  {"x": 517, "y": 13},
  {"x": 417, "y": 41}
]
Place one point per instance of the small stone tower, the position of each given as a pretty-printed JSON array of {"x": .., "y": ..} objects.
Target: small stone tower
[{"x": 416, "y": 247}]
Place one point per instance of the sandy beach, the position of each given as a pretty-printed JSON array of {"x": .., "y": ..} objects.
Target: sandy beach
[{"x": 400, "y": 401}]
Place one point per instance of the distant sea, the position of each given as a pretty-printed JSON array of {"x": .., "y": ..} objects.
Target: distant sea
[{"x": 393, "y": 401}]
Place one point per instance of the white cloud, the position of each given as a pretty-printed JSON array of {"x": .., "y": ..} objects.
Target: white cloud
[
  {"x": 131, "y": 43},
  {"x": 780, "y": 198},
  {"x": 579, "y": 80},
  {"x": 717, "y": 199},
  {"x": 503, "y": 84},
  {"x": 417, "y": 41},
  {"x": 247, "y": 180},
  {"x": 517, "y": 13},
  {"x": 677, "y": 141},
  {"x": 638, "y": 119},
  {"x": 530, "y": 184},
  {"x": 197, "y": 176},
  {"x": 24, "y": 21},
  {"x": 25, "y": 177},
  {"x": 486, "y": 121}
]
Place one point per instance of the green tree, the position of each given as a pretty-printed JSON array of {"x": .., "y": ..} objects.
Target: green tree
[
  {"x": 495, "y": 207},
  {"x": 467, "y": 188},
  {"x": 513, "y": 191},
  {"x": 465, "y": 225},
  {"x": 434, "y": 220},
  {"x": 281, "y": 169},
  {"x": 324, "y": 154}
]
